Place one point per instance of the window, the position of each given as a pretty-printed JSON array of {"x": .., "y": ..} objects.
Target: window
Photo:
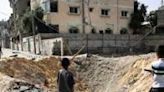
[
  {"x": 53, "y": 6},
  {"x": 108, "y": 31},
  {"x": 91, "y": 9},
  {"x": 124, "y": 13},
  {"x": 73, "y": 30},
  {"x": 45, "y": 6},
  {"x": 93, "y": 31},
  {"x": 105, "y": 12},
  {"x": 124, "y": 31},
  {"x": 74, "y": 10},
  {"x": 101, "y": 32}
]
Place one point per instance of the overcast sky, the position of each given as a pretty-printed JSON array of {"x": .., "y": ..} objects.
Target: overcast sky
[{"x": 5, "y": 9}]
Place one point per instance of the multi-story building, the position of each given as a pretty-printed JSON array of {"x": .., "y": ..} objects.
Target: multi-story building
[
  {"x": 86, "y": 16},
  {"x": 160, "y": 20}
]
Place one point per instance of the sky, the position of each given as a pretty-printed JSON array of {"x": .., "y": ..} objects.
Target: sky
[
  {"x": 5, "y": 9},
  {"x": 152, "y": 4}
]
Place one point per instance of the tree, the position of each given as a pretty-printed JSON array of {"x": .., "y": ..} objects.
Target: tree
[
  {"x": 136, "y": 4},
  {"x": 142, "y": 12},
  {"x": 124, "y": 31},
  {"x": 137, "y": 17},
  {"x": 152, "y": 18},
  {"x": 27, "y": 20},
  {"x": 143, "y": 9}
]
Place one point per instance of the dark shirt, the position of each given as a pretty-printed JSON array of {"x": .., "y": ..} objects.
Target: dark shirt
[{"x": 65, "y": 81}]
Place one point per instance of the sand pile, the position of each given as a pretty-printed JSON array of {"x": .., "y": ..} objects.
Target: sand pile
[
  {"x": 92, "y": 74},
  {"x": 135, "y": 79},
  {"x": 42, "y": 73},
  {"x": 8, "y": 84},
  {"x": 121, "y": 74}
]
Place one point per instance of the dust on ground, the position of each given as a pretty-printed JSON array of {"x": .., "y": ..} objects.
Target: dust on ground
[{"x": 92, "y": 74}]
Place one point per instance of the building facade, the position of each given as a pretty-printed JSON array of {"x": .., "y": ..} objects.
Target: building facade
[
  {"x": 160, "y": 20},
  {"x": 86, "y": 16}
]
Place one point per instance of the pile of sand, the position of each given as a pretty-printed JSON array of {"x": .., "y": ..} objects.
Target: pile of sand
[
  {"x": 43, "y": 72},
  {"x": 92, "y": 74},
  {"x": 8, "y": 84},
  {"x": 120, "y": 74}
]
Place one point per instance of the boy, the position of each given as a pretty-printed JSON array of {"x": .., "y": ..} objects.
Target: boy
[
  {"x": 158, "y": 71},
  {"x": 65, "y": 78}
]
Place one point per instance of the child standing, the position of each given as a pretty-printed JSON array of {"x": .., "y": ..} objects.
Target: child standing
[
  {"x": 158, "y": 71},
  {"x": 65, "y": 79}
]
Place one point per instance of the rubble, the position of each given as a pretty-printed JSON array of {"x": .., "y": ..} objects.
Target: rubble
[
  {"x": 43, "y": 72},
  {"x": 92, "y": 74},
  {"x": 8, "y": 84},
  {"x": 119, "y": 74}
]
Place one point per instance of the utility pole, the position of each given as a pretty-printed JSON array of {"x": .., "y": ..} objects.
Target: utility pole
[
  {"x": 15, "y": 29},
  {"x": 33, "y": 30},
  {"x": 83, "y": 16},
  {"x": 117, "y": 15}
]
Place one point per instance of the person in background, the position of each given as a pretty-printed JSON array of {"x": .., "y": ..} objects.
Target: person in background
[
  {"x": 158, "y": 71},
  {"x": 65, "y": 78}
]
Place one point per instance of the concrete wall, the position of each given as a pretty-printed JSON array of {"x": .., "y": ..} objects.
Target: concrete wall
[
  {"x": 99, "y": 43},
  {"x": 160, "y": 14}
]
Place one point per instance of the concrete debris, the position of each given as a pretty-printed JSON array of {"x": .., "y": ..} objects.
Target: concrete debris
[
  {"x": 120, "y": 74},
  {"x": 43, "y": 72},
  {"x": 8, "y": 84},
  {"x": 92, "y": 74}
]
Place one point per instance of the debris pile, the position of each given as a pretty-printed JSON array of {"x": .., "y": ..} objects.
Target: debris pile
[
  {"x": 42, "y": 73},
  {"x": 92, "y": 74},
  {"x": 8, "y": 84},
  {"x": 119, "y": 74}
]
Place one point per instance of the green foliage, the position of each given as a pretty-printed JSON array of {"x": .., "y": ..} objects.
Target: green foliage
[
  {"x": 108, "y": 31},
  {"x": 93, "y": 31},
  {"x": 143, "y": 10},
  {"x": 124, "y": 31},
  {"x": 27, "y": 22},
  {"x": 152, "y": 18},
  {"x": 74, "y": 30},
  {"x": 137, "y": 17},
  {"x": 27, "y": 19},
  {"x": 39, "y": 13},
  {"x": 136, "y": 4}
]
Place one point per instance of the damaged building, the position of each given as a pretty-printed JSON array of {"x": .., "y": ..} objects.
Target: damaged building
[{"x": 88, "y": 16}]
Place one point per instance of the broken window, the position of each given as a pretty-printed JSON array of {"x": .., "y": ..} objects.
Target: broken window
[
  {"x": 105, "y": 12},
  {"x": 53, "y": 6},
  {"x": 74, "y": 10}
]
